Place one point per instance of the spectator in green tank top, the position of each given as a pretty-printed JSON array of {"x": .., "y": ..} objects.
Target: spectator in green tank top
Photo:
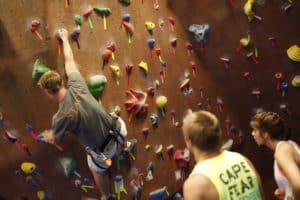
[{"x": 218, "y": 174}]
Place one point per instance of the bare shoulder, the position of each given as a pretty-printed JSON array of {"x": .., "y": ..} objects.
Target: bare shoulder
[
  {"x": 287, "y": 153},
  {"x": 199, "y": 187},
  {"x": 284, "y": 149}
]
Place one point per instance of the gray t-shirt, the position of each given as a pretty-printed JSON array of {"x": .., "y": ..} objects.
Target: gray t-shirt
[{"x": 80, "y": 114}]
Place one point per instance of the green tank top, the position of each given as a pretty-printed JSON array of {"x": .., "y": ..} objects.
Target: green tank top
[{"x": 233, "y": 178}]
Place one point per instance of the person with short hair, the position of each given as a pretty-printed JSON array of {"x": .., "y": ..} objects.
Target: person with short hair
[
  {"x": 218, "y": 174},
  {"x": 269, "y": 130},
  {"x": 79, "y": 113}
]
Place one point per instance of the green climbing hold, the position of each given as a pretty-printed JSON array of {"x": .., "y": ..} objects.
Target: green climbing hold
[
  {"x": 102, "y": 11},
  {"x": 38, "y": 70},
  {"x": 96, "y": 84},
  {"x": 69, "y": 165},
  {"x": 78, "y": 20},
  {"x": 127, "y": 2}
]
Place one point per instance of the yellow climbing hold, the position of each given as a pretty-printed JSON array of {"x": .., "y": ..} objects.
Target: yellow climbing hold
[
  {"x": 149, "y": 26},
  {"x": 143, "y": 65},
  {"x": 248, "y": 9},
  {"x": 161, "y": 101},
  {"x": 116, "y": 71},
  {"x": 244, "y": 42},
  {"x": 28, "y": 167},
  {"x": 294, "y": 53}
]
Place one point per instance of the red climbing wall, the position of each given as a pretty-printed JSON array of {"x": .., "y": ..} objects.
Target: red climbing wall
[{"x": 21, "y": 102}]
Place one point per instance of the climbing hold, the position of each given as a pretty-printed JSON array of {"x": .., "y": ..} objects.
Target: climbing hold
[
  {"x": 149, "y": 26},
  {"x": 116, "y": 72},
  {"x": 154, "y": 119},
  {"x": 42, "y": 195},
  {"x": 159, "y": 194},
  {"x": 294, "y": 53},
  {"x": 29, "y": 168},
  {"x": 248, "y": 9},
  {"x": 119, "y": 186},
  {"x": 296, "y": 81},
  {"x": 96, "y": 84},
  {"x": 200, "y": 32},
  {"x": 161, "y": 102},
  {"x": 69, "y": 165},
  {"x": 38, "y": 70}
]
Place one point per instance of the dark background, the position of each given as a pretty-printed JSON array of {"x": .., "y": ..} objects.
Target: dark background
[{"x": 22, "y": 102}]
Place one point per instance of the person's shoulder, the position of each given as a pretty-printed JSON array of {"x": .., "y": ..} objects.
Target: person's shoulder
[
  {"x": 75, "y": 77},
  {"x": 241, "y": 157},
  {"x": 284, "y": 148},
  {"x": 198, "y": 186},
  {"x": 233, "y": 154},
  {"x": 74, "y": 74}
]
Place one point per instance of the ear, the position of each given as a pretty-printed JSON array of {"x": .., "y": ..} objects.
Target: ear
[
  {"x": 265, "y": 135},
  {"x": 188, "y": 142},
  {"x": 47, "y": 92},
  {"x": 189, "y": 111}
]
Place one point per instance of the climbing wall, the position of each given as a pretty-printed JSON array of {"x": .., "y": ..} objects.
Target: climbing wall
[{"x": 219, "y": 75}]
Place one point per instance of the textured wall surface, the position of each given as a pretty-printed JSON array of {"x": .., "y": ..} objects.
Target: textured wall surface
[{"x": 22, "y": 102}]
